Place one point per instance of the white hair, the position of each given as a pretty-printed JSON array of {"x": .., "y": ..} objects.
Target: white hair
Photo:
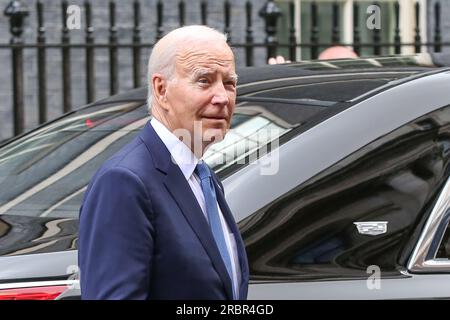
[{"x": 163, "y": 57}]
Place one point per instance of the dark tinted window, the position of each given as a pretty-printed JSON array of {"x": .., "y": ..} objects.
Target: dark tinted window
[
  {"x": 444, "y": 247},
  {"x": 55, "y": 163},
  {"x": 44, "y": 175},
  {"x": 310, "y": 231}
]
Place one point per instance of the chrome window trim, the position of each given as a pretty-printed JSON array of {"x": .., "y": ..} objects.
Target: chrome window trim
[
  {"x": 34, "y": 284},
  {"x": 423, "y": 258}
]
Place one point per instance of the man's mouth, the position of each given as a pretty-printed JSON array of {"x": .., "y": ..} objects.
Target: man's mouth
[{"x": 215, "y": 117}]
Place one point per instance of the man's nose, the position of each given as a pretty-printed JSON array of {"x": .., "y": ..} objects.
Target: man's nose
[{"x": 220, "y": 95}]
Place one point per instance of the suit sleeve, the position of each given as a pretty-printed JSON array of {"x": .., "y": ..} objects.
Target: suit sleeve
[{"x": 116, "y": 238}]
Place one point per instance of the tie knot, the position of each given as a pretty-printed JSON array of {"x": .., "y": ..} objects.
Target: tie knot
[{"x": 202, "y": 170}]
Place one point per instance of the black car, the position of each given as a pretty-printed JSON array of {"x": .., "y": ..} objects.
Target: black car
[{"x": 337, "y": 172}]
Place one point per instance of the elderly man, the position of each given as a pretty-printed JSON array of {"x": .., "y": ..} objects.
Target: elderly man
[{"x": 154, "y": 223}]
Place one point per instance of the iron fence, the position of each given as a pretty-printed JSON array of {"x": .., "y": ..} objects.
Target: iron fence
[{"x": 269, "y": 12}]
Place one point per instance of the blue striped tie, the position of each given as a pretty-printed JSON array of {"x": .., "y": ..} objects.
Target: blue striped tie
[{"x": 209, "y": 192}]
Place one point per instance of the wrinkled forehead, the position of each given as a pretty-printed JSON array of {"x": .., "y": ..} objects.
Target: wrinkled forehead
[{"x": 203, "y": 58}]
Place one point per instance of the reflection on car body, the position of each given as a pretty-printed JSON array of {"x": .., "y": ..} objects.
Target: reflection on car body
[{"x": 363, "y": 150}]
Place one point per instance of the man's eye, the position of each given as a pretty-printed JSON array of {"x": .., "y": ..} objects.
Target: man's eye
[
  {"x": 203, "y": 80},
  {"x": 231, "y": 83}
]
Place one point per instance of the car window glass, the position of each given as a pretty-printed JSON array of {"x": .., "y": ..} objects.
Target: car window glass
[
  {"x": 387, "y": 185},
  {"x": 55, "y": 162}
]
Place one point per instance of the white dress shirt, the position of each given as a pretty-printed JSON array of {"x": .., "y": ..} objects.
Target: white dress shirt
[{"x": 187, "y": 162}]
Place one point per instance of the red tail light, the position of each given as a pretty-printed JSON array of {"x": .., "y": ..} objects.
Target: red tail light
[{"x": 34, "y": 293}]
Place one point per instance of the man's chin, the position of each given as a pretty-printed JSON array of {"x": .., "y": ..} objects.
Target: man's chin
[{"x": 214, "y": 123}]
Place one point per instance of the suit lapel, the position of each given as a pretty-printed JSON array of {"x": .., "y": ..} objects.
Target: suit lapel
[
  {"x": 242, "y": 255},
  {"x": 181, "y": 192}
]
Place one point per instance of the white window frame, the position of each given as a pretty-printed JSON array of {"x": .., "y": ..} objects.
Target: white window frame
[{"x": 407, "y": 22}]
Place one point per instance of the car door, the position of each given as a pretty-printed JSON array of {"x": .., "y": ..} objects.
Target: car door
[{"x": 304, "y": 242}]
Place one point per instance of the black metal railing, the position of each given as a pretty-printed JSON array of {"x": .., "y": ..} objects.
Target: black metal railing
[{"x": 269, "y": 12}]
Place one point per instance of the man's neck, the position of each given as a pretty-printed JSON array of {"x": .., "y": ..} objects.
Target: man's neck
[{"x": 195, "y": 144}]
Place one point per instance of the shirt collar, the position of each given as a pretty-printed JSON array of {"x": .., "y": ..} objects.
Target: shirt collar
[{"x": 180, "y": 153}]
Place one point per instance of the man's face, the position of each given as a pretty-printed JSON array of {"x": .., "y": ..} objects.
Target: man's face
[{"x": 202, "y": 92}]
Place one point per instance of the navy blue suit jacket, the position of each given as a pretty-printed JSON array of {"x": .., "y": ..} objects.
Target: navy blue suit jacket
[{"x": 143, "y": 234}]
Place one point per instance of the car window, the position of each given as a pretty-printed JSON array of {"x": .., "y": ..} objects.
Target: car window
[
  {"x": 386, "y": 187},
  {"x": 44, "y": 175},
  {"x": 39, "y": 167}
]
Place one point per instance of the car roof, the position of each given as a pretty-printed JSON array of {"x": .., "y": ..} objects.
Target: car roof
[
  {"x": 258, "y": 78},
  {"x": 414, "y": 63}
]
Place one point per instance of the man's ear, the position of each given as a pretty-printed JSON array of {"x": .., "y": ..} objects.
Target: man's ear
[{"x": 159, "y": 87}]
